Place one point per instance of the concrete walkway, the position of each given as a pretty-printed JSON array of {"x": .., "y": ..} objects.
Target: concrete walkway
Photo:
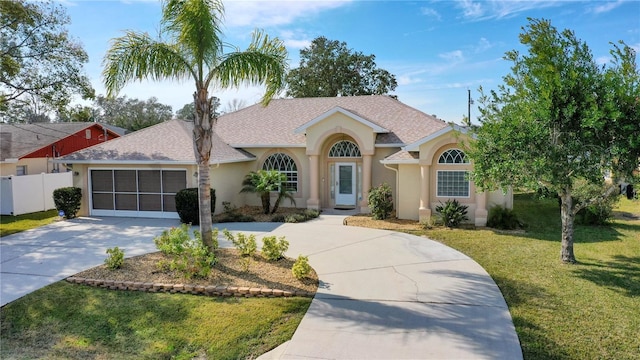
[{"x": 382, "y": 295}]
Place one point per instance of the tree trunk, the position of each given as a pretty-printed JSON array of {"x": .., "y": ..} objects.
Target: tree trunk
[
  {"x": 202, "y": 137},
  {"x": 568, "y": 216},
  {"x": 266, "y": 202}
]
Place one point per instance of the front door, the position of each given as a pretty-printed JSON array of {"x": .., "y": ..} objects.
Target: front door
[{"x": 345, "y": 184}]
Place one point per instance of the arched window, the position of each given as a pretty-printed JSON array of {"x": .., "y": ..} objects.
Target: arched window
[
  {"x": 285, "y": 164},
  {"x": 453, "y": 156},
  {"x": 344, "y": 148},
  {"x": 453, "y": 183}
]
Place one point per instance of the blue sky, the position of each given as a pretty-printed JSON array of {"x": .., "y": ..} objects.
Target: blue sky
[{"x": 437, "y": 49}]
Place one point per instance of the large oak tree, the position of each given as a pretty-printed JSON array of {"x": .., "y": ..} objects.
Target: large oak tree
[
  {"x": 560, "y": 121},
  {"x": 329, "y": 68},
  {"x": 194, "y": 50}
]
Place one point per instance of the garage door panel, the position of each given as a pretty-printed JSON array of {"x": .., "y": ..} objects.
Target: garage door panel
[
  {"x": 125, "y": 181},
  {"x": 102, "y": 180},
  {"x": 173, "y": 181},
  {"x": 126, "y": 202},
  {"x": 102, "y": 201},
  {"x": 149, "y": 181},
  {"x": 150, "y": 202}
]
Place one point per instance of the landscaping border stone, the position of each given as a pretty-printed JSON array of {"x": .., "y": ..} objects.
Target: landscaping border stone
[{"x": 223, "y": 291}]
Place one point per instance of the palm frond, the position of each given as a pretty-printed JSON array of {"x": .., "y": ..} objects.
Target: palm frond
[
  {"x": 136, "y": 56},
  {"x": 196, "y": 25},
  {"x": 264, "y": 62}
]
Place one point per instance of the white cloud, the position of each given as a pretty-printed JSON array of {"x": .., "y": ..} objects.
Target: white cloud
[
  {"x": 603, "y": 7},
  {"x": 431, "y": 13},
  {"x": 273, "y": 13},
  {"x": 455, "y": 56},
  {"x": 482, "y": 45},
  {"x": 499, "y": 9}
]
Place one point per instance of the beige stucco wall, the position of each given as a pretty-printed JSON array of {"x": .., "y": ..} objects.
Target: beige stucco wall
[
  {"x": 226, "y": 179},
  {"x": 7, "y": 169},
  {"x": 34, "y": 166},
  {"x": 408, "y": 191}
]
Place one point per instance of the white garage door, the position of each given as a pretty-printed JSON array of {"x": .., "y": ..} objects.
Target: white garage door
[{"x": 136, "y": 193}]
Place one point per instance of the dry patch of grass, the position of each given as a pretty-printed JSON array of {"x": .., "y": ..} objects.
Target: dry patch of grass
[{"x": 391, "y": 223}]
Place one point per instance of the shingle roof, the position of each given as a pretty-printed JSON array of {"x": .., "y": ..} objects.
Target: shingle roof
[
  {"x": 402, "y": 156},
  {"x": 21, "y": 139},
  {"x": 273, "y": 125},
  {"x": 167, "y": 142}
]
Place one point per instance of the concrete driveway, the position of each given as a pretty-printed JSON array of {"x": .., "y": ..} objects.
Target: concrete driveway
[{"x": 382, "y": 295}]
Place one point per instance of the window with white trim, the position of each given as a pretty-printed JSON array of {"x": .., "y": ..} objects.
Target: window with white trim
[
  {"x": 344, "y": 148},
  {"x": 453, "y": 156},
  {"x": 453, "y": 183},
  {"x": 21, "y": 170},
  {"x": 285, "y": 165}
]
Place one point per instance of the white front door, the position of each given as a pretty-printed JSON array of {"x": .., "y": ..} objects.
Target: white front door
[{"x": 345, "y": 184}]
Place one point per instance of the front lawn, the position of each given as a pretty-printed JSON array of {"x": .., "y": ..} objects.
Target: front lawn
[
  {"x": 67, "y": 321},
  {"x": 590, "y": 310},
  {"x": 14, "y": 224}
]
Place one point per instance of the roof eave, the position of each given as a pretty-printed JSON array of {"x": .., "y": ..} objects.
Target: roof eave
[{"x": 376, "y": 128}]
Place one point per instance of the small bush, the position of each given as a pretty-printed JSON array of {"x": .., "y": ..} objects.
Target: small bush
[
  {"x": 381, "y": 201},
  {"x": 599, "y": 214},
  {"x": 273, "y": 249},
  {"x": 306, "y": 215},
  {"x": 295, "y": 218},
  {"x": 115, "y": 258},
  {"x": 67, "y": 200},
  {"x": 188, "y": 256},
  {"x": 231, "y": 214},
  {"x": 452, "y": 213},
  {"x": 502, "y": 218},
  {"x": 246, "y": 245},
  {"x": 188, "y": 206},
  {"x": 301, "y": 267}
]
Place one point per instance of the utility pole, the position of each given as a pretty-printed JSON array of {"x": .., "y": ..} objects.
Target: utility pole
[{"x": 469, "y": 102}]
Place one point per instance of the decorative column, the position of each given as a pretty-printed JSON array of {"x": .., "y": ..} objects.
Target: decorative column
[
  {"x": 366, "y": 183},
  {"x": 481, "y": 209},
  {"x": 424, "y": 212},
  {"x": 314, "y": 190}
]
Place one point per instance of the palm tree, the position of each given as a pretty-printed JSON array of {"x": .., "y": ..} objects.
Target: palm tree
[
  {"x": 263, "y": 182},
  {"x": 194, "y": 50}
]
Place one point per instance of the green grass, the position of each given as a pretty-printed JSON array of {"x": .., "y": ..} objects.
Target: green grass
[
  {"x": 590, "y": 310},
  {"x": 69, "y": 321},
  {"x": 15, "y": 224}
]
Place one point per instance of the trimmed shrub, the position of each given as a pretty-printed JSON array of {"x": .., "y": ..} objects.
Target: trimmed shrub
[
  {"x": 452, "y": 213},
  {"x": 245, "y": 244},
  {"x": 274, "y": 248},
  {"x": 502, "y": 218},
  {"x": 67, "y": 200},
  {"x": 188, "y": 207},
  {"x": 295, "y": 218},
  {"x": 115, "y": 258},
  {"x": 381, "y": 201},
  {"x": 187, "y": 255},
  {"x": 301, "y": 267}
]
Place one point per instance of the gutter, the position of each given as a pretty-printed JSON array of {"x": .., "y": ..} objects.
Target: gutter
[{"x": 397, "y": 186}]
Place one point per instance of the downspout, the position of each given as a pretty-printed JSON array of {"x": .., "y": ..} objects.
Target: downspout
[{"x": 395, "y": 200}]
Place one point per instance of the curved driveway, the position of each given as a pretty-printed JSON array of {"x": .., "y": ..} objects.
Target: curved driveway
[{"x": 382, "y": 295}]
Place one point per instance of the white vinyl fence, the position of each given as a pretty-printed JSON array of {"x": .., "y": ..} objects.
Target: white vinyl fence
[{"x": 30, "y": 193}]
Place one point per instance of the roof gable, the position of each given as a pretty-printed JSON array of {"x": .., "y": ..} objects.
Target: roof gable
[
  {"x": 375, "y": 127},
  {"x": 415, "y": 146}
]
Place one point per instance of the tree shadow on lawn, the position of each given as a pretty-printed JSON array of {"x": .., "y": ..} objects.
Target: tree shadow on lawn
[
  {"x": 621, "y": 274},
  {"x": 48, "y": 318},
  {"x": 533, "y": 340},
  {"x": 582, "y": 233}
]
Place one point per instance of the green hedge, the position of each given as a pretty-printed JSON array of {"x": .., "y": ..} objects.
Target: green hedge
[
  {"x": 188, "y": 207},
  {"x": 67, "y": 200}
]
